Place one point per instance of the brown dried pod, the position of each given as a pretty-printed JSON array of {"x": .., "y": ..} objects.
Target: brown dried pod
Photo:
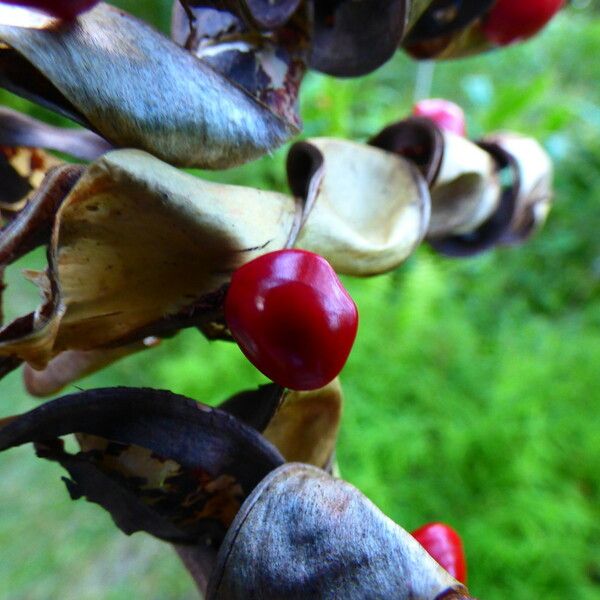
[
  {"x": 158, "y": 462},
  {"x": 269, "y": 65},
  {"x": 265, "y": 14},
  {"x": 195, "y": 117},
  {"x": 305, "y": 426},
  {"x": 17, "y": 130},
  {"x": 354, "y": 37},
  {"x": 464, "y": 186},
  {"x": 304, "y": 534},
  {"x": 448, "y": 29},
  {"x": 532, "y": 182},
  {"x": 367, "y": 209},
  {"x": 524, "y": 203},
  {"x": 139, "y": 249},
  {"x": 71, "y": 365}
]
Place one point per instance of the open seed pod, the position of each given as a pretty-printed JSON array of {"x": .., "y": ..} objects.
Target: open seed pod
[
  {"x": 156, "y": 461},
  {"x": 305, "y": 426},
  {"x": 21, "y": 171},
  {"x": 71, "y": 365},
  {"x": 140, "y": 249},
  {"x": 368, "y": 209},
  {"x": 101, "y": 71},
  {"x": 263, "y": 14},
  {"x": 269, "y": 65},
  {"x": 354, "y": 37},
  {"x": 532, "y": 182},
  {"x": 462, "y": 178},
  {"x": 17, "y": 130},
  {"x": 304, "y": 534},
  {"x": 526, "y": 171},
  {"x": 448, "y": 29}
]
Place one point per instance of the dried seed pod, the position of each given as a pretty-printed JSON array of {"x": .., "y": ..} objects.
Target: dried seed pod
[
  {"x": 354, "y": 37},
  {"x": 74, "y": 364},
  {"x": 158, "y": 462},
  {"x": 462, "y": 178},
  {"x": 196, "y": 117},
  {"x": 367, "y": 209},
  {"x": 305, "y": 426},
  {"x": 532, "y": 182},
  {"x": 17, "y": 130},
  {"x": 269, "y": 64},
  {"x": 525, "y": 199},
  {"x": 304, "y": 534},
  {"x": 447, "y": 29},
  {"x": 141, "y": 249}
]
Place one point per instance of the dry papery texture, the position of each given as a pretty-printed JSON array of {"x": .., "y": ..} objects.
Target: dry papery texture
[
  {"x": 105, "y": 224},
  {"x": 172, "y": 467}
]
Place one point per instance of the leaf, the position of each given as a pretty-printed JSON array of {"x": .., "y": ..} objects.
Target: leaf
[
  {"x": 366, "y": 210},
  {"x": 156, "y": 461},
  {"x": 101, "y": 70},
  {"x": 304, "y": 534}
]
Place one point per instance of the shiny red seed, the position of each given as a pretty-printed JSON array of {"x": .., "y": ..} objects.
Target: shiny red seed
[
  {"x": 445, "y": 545},
  {"x": 61, "y": 9},
  {"x": 292, "y": 318},
  {"x": 510, "y": 21},
  {"x": 447, "y": 115}
]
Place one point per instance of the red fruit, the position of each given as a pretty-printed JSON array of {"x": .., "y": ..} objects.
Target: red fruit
[
  {"x": 444, "y": 544},
  {"x": 292, "y": 318},
  {"x": 447, "y": 115},
  {"x": 512, "y": 20},
  {"x": 62, "y": 9}
]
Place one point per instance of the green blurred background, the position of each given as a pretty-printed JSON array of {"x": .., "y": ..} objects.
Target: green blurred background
[{"x": 473, "y": 389}]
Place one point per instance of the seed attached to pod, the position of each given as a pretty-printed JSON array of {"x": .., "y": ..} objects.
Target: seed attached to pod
[
  {"x": 511, "y": 21},
  {"x": 292, "y": 318}
]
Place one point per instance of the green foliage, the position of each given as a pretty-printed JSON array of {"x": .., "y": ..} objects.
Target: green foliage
[{"x": 472, "y": 393}]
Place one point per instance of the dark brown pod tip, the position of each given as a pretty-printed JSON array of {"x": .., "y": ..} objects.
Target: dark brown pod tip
[
  {"x": 417, "y": 139},
  {"x": 354, "y": 37}
]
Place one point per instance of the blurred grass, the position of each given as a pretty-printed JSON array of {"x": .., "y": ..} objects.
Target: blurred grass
[{"x": 472, "y": 392}]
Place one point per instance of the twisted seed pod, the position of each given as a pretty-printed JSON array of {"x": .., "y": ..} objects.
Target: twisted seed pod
[
  {"x": 368, "y": 209},
  {"x": 195, "y": 117},
  {"x": 156, "y": 461},
  {"x": 305, "y": 426},
  {"x": 354, "y": 37},
  {"x": 462, "y": 178},
  {"x": 448, "y": 29},
  {"x": 304, "y": 534}
]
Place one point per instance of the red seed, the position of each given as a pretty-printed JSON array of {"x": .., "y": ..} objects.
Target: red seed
[
  {"x": 445, "y": 545},
  {"x": 510, "y": 21},
  {"x": 292, "y": 318}
]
